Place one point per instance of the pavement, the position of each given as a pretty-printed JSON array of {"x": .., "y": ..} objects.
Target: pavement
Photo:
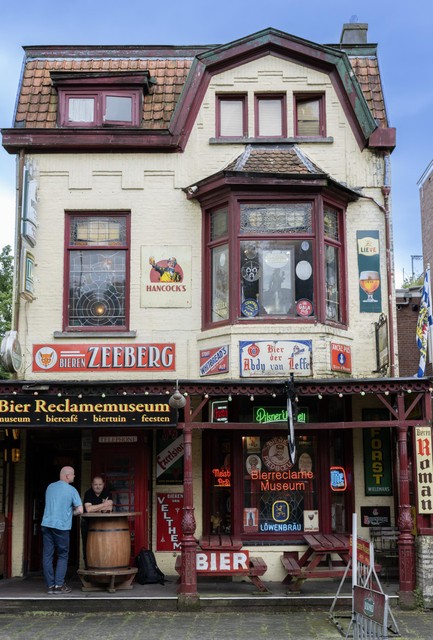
[
  {"x": 229, "y": 611},
  {"x": 231, "y": 625}
]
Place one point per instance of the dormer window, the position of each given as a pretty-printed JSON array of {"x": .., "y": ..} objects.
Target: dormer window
[{"x": 98, "y": 100}]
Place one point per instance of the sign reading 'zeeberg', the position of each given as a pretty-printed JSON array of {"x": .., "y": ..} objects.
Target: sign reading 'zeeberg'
[
  {"x": 131, "y": 411},
  {"x": 106, "y": 357}
]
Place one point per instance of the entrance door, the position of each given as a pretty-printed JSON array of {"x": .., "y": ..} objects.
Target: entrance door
[
  {"x": 122, "y": 459},
  {"x": 47, "y": 453}
]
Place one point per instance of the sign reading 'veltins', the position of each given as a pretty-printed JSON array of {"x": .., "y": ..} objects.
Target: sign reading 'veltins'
[{"x": 91, "y": 411}]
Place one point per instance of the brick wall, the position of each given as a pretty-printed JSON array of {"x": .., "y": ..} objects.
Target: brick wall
[{"x": 407, "y": 316}]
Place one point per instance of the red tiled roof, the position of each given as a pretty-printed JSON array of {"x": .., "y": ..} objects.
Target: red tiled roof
[
  {"x": 37, "y": 104},
  {"x": 270, "y": 159},
  {"x": 367, "y": 72}
]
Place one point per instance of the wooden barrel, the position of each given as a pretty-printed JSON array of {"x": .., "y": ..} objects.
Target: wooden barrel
[{"x": 108, "y": 543}]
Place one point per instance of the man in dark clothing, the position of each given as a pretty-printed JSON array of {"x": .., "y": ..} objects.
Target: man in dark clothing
[{"x": 96, "y": 499}]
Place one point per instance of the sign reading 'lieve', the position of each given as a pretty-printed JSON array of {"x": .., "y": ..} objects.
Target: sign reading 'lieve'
[{"x": 109, "y": 411}]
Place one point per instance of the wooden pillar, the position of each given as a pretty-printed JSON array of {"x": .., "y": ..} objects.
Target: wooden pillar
[
  {"x": 188, "y": 596},
  {"x": 406, "y": 542}
]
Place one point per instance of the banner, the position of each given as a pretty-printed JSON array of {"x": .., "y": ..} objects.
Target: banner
[
  {"x": 377, "y": 462},
  {"x": 370, "y": 290}
]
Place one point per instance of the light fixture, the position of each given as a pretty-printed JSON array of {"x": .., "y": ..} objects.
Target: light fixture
[
  {"x": 192, "y": 190},
  {"x": 229, "y": 398},
  {"x": 340, "y": 395},
  {"x": 363, "y": 393},
  {"x": 387, "y": 393},
  {"x": 252, "y": 398},
  {"x": 320, "y": 396},
  {"x": 59, "y": 395},
  {"x": 274, "y": 395},
  {"x": 177, "y": 400},
  {"x": 80, "y": 395},
  {"x": 146, "y": 393},
  {"x": 102, "y": 395},
  {"x": 206, "y": 395}
]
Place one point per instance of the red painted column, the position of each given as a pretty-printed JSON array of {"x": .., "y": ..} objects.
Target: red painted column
[
  {"x": 406, "y": 542},
  {"x": 188, "y": 596}
]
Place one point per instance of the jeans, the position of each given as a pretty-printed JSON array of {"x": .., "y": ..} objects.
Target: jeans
[{"x": 55, "y": 540}]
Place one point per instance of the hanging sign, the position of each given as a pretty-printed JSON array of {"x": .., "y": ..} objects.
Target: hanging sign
[
  {"x": 70, "y": 358},
  {"x": 267, "y": 358},
  {"x": 169, "y": 457},
  {"x": 169, "y": 511}
]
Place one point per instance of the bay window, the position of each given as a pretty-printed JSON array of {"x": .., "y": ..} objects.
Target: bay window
[{"x": 274, "y": 260}]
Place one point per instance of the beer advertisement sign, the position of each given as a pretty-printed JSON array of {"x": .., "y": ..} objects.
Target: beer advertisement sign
[{"x": 370, "y": 291}]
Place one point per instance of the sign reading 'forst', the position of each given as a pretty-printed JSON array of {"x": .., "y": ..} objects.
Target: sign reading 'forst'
[
  {"x": 69, "y": 358},
  {"x": 89, "y": 411}
]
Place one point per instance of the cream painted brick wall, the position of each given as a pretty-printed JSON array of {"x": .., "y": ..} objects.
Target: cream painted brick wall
[{"x": 150, "y": 186}]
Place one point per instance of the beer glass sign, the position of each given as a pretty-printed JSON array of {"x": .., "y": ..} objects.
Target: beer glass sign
[
  {"x": 369, "y": 281},
  {"x": 370, "y": 289}
]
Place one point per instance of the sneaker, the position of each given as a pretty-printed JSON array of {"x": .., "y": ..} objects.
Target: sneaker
[
  {"x": 62, "y": 589},
  {"x": 51, "y": 590}
]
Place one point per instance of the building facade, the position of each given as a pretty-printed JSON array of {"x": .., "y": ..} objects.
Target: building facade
[{"x": 209, "y": 226}]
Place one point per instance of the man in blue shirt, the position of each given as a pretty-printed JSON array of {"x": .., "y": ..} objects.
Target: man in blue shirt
[{"x": 61, "y": 502}]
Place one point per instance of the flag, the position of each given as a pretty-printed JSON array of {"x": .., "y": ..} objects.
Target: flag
[{"x": 425, "y": 323}]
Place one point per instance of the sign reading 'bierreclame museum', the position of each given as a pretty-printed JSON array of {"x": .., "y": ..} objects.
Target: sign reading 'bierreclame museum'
[{"x": 91, "y": 411}]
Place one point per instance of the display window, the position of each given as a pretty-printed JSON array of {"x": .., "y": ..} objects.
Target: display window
[{"x": 254, "y": 491}]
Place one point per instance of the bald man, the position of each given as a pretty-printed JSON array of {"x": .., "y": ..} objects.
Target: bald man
[{"x": 61, "y": 502}]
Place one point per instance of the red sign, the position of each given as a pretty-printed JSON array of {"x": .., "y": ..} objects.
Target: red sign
[
  {"x": 104, "y": 357},
  {"x": 215, "y": 360},
  {"x": 222, "y": 561},
  {"x": 304, "y": 307},
  {"x": 341, "y": 357},
  {"x": 169, "y": 507}
]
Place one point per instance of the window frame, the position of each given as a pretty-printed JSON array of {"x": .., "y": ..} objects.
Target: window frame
[
  {"x": 231, "y": 97},
  {"x": 304, "y": 97},
  {"x": 235, "y": 237},
  {"x": 282, "y": 97},
  {"x": 99, "y": 95},
  {"x": 70, "y": 248}
]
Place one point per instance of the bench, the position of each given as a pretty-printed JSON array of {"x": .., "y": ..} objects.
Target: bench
[
  {"x": 219, "y": 563},
  {"x": 297, "y": 574}
]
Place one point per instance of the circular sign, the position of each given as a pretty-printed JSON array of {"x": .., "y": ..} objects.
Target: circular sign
[
  {"x": 249, "y": 308},
  {"x": 304, "y": 308},
  {"x": 10, "y": 352},
  {"x": 251, "y": 271},
  {"x": 304, "y": 270},
  {"x": 275, "y": 454},
  {"x": 45, "y": 358}
]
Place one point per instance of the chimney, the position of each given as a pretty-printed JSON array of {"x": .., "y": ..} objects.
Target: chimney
[{"x": 354, "y": 33}]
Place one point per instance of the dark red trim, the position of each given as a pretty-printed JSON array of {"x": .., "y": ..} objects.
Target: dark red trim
[
  {"x": 258, "y": 98},
  {"x": 300, "y": 97}
]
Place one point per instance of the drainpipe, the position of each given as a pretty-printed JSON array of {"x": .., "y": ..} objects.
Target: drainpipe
[
  {"x": 386, "y": 190},
  {"x": 18, "y": 241}
]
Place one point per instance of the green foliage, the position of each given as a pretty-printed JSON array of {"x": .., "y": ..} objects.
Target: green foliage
[
  {"x": 415, "y": 280},
  {"x": 6, "y": 278}
]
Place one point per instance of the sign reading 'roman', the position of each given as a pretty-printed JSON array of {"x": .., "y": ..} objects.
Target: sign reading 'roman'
[{"x": 90, "y": 411}]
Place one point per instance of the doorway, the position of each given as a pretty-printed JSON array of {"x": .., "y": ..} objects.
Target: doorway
[
  {"x": 122, "y": 458},
  {"x": 47, "y": 453}
]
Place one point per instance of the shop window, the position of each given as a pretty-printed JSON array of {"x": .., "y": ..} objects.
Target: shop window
[
  {"x": 219, "y": 481},
  {"x": 332, "y": 264},
  {"x": 270, "y": 116},
  {"x": 309, "y": 116},
  {"x": 97, "y": 255},
  {"x": 278, "y": 497},
  {"x": 231, "y": 113}
]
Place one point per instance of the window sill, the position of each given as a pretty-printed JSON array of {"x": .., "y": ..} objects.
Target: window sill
[
  {"x": 94, "y": 334},
  {"x": 328, "y": 140}
]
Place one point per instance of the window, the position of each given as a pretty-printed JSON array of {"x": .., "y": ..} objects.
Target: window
[
  {"x": 99, "y": 108},
  {"x": 219, "y": 264},
  {"x": 309, "y": 116},
  {"x": 231, "y": 115},
  {"x": 271, "y": 116},
  {"x": 332, "y": 264},
  {"x": 279, "y": 261},
  {"x": 97, "y": 271}
]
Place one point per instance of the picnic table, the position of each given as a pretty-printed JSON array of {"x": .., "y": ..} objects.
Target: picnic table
[
  {"x": 326, "y": 556},
  {"x": 223, "y": 555}
]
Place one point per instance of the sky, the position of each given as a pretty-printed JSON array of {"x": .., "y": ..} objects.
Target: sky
[{"x": 403, "y": 32}]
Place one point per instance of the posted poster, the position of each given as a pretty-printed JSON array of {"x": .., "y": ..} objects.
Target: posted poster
[
  {"x": 377, "y": 462},
  {"x": 266, "y": 358},
  {"x": 169, "y": 521},
  {"x": 165, "y": 279},
  {"x": 169, "y": 456},
  {"x": 370, "y": 290}
]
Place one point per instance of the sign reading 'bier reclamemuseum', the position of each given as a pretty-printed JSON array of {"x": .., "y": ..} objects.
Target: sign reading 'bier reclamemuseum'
[{"x": 89, "y": 411}]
